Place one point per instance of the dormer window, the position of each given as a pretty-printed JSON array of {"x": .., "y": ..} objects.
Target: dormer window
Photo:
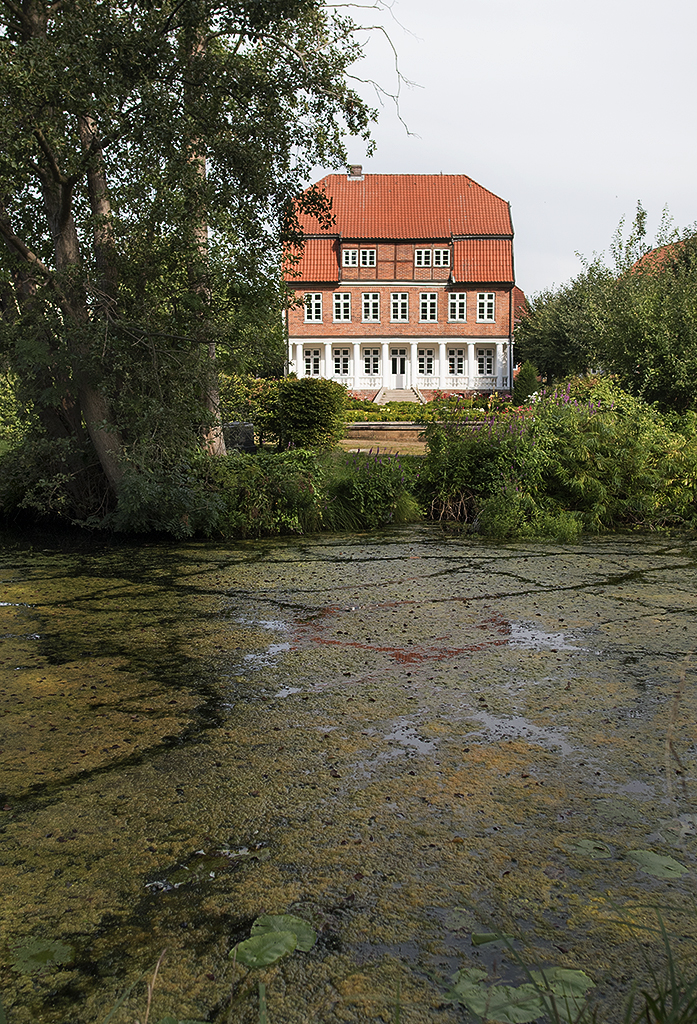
[
  {"x": 441, "y": 257},
  {"x": 368, "y": 257},
  {"x": 422, "y": 257},
  {"x": 349, "y": 257}
]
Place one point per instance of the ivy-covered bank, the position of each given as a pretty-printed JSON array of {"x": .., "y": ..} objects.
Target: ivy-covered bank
[{"x": 586, "y": 456}]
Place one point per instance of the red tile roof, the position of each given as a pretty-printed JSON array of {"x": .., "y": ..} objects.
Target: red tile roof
[
  {"x": 410, "y": 206},
  {"x": 483, "y": 260},
  {"x": 319, "y": 262}
]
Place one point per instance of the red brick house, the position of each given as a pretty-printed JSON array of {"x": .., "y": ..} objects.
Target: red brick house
[{"x": 412, "y": 286}]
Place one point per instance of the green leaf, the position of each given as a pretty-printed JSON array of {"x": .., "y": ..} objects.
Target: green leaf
[
  {"x": 656, "y": 864},
  {"x": 3, "y": 1018},
  {"x": 262, "y": 950},
  {"x": 38, "y": 954},
  {"x": 590, "y": 848},
  {"x": 305, "y": 934},
  {"x": 481, "y": 938},
  {"x": 505, "y": 1003}
]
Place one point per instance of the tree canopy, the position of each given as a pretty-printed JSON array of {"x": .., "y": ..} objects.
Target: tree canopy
[
  {"x": 636, "y": 319},
  {"x": 152, "y": 158}
]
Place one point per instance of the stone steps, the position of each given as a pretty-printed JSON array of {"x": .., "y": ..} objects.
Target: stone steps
[{"x": 398, "y": 395}]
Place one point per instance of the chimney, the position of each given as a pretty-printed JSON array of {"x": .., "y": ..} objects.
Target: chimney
[{"x": 355, "y": 172}]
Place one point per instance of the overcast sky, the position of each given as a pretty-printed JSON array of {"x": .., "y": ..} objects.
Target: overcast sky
[{"x": 570, "y": 111}]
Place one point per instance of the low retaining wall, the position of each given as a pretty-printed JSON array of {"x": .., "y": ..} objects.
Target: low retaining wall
[{"x": 385, "y": 432}]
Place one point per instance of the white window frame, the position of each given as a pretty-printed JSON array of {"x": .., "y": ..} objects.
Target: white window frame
[
  {"x": 456, "y": 361},
  {"x": 370, "y": 302},
  {"x": 422, "y": 257},
  {"x": 342, "y": 361},
  {"x": 313, "y": 307},
  {"x": 486, "y": 361},
  {"x": 371, "y": 362},
  {"x": 369, "y": 257},
  {"x": 349, "y": 257},
  {"x": 457, "y": 307},
  {"x": 428, "y": 307},
  {"x": 312, "y": 361},
  {"x": 486, "y": 307},
  {"x": 427, "y": 361},
  {"x": 342, "y": 307},
  {"x": 441, "y": 257},
  {"x": 399, "y": 306}
]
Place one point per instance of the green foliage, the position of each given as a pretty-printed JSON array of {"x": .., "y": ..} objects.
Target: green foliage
[
  {"x": 309, "y": 412},
  {"x": 637, "y": 319},
  {"x": 368, "y": 491},
  {"x": 268, "y": 494},
  {"x": 300, "y": 413},
  {"x": 12, "y": 422},
  {"x": 363, "y": 411},
  {"x": 274, "y": 936},
  {"x": 586, "y": 456},
  {"x": 525, "y": 383}
]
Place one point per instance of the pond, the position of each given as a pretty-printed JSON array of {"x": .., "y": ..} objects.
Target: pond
[{"x": 407, "y": 739}]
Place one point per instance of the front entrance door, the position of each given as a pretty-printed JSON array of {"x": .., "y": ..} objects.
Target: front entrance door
[{"x": 399, "y": 367}]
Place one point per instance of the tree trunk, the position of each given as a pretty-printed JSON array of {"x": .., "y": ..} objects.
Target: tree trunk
[{"x": 213, "y": 439}]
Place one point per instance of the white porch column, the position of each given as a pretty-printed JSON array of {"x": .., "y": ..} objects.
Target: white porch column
[
  {"x": 386, "y": 367},
  {"x": 356, "y": 362},
  {"x": 328, "y": 364},
  {"x": 300, "y": 359},
  {"x": 442, "y": 366},
  {"x": 471, "y": 364},
  {"x": 500, "y": 368},
  {"x": 413, "y": 363}
]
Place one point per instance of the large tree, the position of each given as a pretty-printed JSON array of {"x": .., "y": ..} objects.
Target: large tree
[{"x": 149, "y": 159}]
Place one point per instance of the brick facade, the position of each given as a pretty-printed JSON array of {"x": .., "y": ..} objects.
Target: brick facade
[{"x": 377, "y": 246}]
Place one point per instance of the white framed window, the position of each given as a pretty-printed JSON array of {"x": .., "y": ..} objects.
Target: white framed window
[
  {"x": 371, "y": 361},
  {"x": 400, "y": 306},
  {"x": 342, "y": 306},
  {"x": 485, "y": 362},
  {"x": 428, "y": 306},
  {"x": 312, "y": 362},
  {"x": 368, "y": 257},
  {"x": 456, "y": 361},
  {"x": 422, "y": 257},
  {"x": 371, "y": 307},
  {"x": 426, "y": 359},
  {"x": 485, "y": 307},
  {"x": 441, "y": 257},
  {"x": 313, "y": 307},
  {"x": 457, "y": 306},
  {"x": 349, "y": 257},
  {"x": 341, "y": 361}
]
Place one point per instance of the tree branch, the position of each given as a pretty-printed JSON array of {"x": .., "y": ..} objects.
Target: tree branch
[{"x": 50, "y": 156}]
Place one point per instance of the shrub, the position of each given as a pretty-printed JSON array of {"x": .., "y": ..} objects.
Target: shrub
[
  {"x": 586, "y": 456},
  {"x": 299, "y": 413},
  {"x": 525, "y": 383},
  {"x": 367, "y": 491}
]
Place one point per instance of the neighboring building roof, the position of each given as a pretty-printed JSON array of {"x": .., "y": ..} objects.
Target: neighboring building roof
[
  {"x": 520, "y": 303},
  {"x": 410, "y": 206}
]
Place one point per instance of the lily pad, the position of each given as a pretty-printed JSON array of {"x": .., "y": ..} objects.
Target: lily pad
[
  {"x": 38, "y": 954},
  {"x": 268, "y": 923},
  {"x": 590, "y": 848},
  {"x": 263, "y": 950},
  {"x": 505, "y": 1003},
  {"x": 656, "y": 864},
  {"x": 557, "y": 991}
]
